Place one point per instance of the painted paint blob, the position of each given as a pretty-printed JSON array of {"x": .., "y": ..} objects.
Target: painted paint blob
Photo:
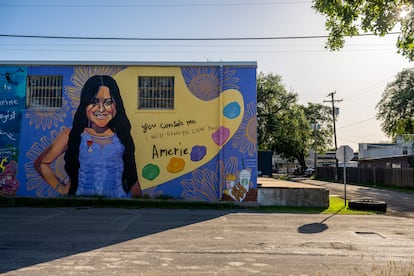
[
  {"x": 221, "y": 135},
  {"x": 232, "y": 110},
  {"x": 198, "y": 152},
  {"x": 150, "y": 171},
  {"x": 175, "y": 165}
]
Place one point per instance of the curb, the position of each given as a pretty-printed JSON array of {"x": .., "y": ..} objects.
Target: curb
[{"x": 98, "y": 202}]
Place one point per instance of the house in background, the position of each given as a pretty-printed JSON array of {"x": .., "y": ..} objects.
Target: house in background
[
  {"x": 283, "y": 166},
  {"x": 388, "y": 155}
]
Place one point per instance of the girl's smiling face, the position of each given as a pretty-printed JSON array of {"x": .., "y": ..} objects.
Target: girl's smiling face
[{"x": 101, "y": 110}]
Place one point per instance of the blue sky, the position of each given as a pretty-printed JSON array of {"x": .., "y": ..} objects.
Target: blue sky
[{"x": 358, "y": 73}]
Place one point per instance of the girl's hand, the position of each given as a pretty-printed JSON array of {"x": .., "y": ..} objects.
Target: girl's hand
[
  {"x": 62, "y": 189},
  {"x": 136, "y": 190}
]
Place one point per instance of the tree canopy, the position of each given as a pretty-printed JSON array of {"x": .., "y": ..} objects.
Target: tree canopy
[
  {"x": 396, "y": 107},
  {"x": 286, "y": 127},
  {"x": 350, "y": 17},
  {"x": 272, "y": 99},
  {"x": 321, "y": 116}
]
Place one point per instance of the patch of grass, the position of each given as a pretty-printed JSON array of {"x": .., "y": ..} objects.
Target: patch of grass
[
  {"x": 284, "y": 177},
  {"x": 337, "y": 206}
]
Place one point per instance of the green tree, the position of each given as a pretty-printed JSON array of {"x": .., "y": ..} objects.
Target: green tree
[
  {"x": 321, "y": 120},
  {"x": 349, "y": 17},
  {"x": 396, "y": 107},
  {"x": 284, "y": 126},
  {"x": 294, "y": 134},
  {"x": 272, "y": 98}
]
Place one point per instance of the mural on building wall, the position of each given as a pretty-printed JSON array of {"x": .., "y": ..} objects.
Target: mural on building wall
[
  {"x": 205, "y": 145},
  {"x": 12, "y": 102},
  {"x": 98, "y": 149},
  {"x": 202, "y": 149}
]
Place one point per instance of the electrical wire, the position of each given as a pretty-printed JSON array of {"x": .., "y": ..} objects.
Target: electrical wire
[
  {"x": 135, "y": 5},
  {"x": 177, "y": 38}
]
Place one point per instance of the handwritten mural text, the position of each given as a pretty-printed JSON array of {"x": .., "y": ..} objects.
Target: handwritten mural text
[
  {"x": 9, "y": 116},
  {"x": 164, "y": 152},
  {"x": 8, "y": 102},
  {"x": 165, "y": 125}
]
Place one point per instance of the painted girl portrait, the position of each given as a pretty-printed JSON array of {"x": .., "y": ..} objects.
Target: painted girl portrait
[{"x": 99, "y": 151}]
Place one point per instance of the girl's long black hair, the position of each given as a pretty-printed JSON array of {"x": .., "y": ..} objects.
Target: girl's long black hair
[{"x": 119, "y": 125}]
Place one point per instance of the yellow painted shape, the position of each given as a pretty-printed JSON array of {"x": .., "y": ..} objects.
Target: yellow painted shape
[
  {"x": 4, "y": 160},
  {"x": 165, "y": 138}
]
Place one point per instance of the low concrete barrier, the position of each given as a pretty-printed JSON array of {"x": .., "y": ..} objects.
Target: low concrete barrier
[{"x": 273, "y": 192}]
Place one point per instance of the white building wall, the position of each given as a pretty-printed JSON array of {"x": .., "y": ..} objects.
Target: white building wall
[{"x": 400, "y": 148}]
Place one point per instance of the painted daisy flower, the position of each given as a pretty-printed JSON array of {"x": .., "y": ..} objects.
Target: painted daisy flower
[
  {"x": 34, "y": 180},
  {"x": 207, "y": 184},
  {"x": 204, "y": 82},
  {"x": 246, "y": 136},
  {"x": 81, "y": 74},
  {"x": 46, "y": 119}
]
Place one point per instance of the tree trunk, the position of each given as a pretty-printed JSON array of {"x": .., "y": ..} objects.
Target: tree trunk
[{"x": 302, "y": 163}]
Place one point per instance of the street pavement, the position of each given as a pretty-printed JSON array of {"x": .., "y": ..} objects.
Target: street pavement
[{"x": 149, "y": 241}]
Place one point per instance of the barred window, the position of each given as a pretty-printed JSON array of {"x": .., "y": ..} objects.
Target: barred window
[
  {"x": 155, "y": 92},
  {"x": 44, "y": 92},
  {"x": 404, "y": 150}
]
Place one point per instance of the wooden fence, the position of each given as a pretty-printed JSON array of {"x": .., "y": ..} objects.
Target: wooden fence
[{"x": 382, "y": 176}]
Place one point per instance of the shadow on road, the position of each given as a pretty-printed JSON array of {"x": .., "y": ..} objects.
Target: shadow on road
[
  {"x": 31, "y": 236},
  {"x": 316, "y": 227}
]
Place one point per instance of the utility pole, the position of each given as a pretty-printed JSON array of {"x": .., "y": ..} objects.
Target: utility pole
[
  {"x": 315, "y": 165},
  {"x": 333, "y": 101}
]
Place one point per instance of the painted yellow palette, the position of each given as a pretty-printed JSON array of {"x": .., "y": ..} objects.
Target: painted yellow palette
[{"x": 172, "y": 142}]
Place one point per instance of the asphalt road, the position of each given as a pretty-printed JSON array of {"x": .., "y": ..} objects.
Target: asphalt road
[
  {"x": 109, "y": 241},
  {"x": 398, "y": 203},
  {"x": 148, "y": 241}
]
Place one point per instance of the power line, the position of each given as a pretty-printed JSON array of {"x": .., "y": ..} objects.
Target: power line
[
  {"x": 153, "y": 47},
  {"x": 289, "y": 46},
  {"x": 359, "y": 122},
  {"x": 158, "y": 50},
  {"x": 177, "y": 38},
  {"x": 358, "y": 94},
  {"x": 84, "y": 5},
  {"x": 350, "y": 141}
]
